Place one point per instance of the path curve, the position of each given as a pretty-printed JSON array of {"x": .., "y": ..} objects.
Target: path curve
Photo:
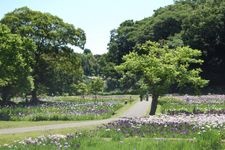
[{"x": 139, "y": 109}]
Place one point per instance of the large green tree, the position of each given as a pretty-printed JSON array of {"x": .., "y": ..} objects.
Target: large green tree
[
  {"x": 160, "y": 67},
  {"x": 89, "y": 63},
  {"x": 50, "y": 34},
  {"x": 121, "y": 41},
  {"x": 205, "y": 30},
  {"x": 15, "y": 59},
  {"x": 60, "y": 73}
]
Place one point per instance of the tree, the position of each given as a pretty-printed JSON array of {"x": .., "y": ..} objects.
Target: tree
[
  {"x": 81, "y": 88},
  {"x": 88, "y": 62},
  {"x": 15, "y": 60},
  {"x": 96, "y": 85},
  {"x": 50, "y": 34},
  {"x": 162, "y": 67},
  {"x": 60, "y": 72},
  {"x": 166, "y": 22},
  {"x": 121, "y": 41},
  {"x": 205, "y": 30}
]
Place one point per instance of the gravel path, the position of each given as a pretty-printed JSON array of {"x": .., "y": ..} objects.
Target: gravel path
[{"x": 139, "y": 109}]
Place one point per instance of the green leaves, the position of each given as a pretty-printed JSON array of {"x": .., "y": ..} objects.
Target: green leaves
[
  {"x": 96, "y": 85},
  {"x": 47, "y": 31},
  {"x": 53, "y": 39},
  {"x": 15, "y": 62},
  {"x": 162, "y": 67}
]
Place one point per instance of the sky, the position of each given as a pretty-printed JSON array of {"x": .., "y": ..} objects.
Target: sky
[{"x": 96, "y": 17}]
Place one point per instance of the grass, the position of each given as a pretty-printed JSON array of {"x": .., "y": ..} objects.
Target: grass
[
  {"x": 125, "y": 144},
  {"x": 158, "y": 110},
  {"x": 92, "y": 140},
  {"x": 18, "y": 124},
  {"x": 12, "y": 138}
]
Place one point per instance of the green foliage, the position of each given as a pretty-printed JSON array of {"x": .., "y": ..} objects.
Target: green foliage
[
  {"x": 89, "y": 63},
  {"x": 81, "y": 88},
  {"x": 15, "y": 63},
  {"x": 195, "y": 23},
  {"x": 205, "y": 30},
  {"x": 52, "y": 37},
  {"x": 121, "y": 41},
  {"x": 162, "y": 67},
  {"x": 162, "y": 26},
  {"x": 60, "y": 72},
  {"x": 49, "y": 32},
  {"x": 97, "y": 85}
]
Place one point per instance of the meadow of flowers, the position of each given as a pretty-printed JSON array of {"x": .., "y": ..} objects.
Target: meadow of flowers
[
  {"x": 175, "y": 131},
  {"x": 209, "y": 99},
  {"x": 205, "y": 104},
  {"x": 137, "y": 133},
  {"x": 56, "y": 110}
]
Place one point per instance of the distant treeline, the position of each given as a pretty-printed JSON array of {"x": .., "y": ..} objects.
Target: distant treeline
[{"x": 199, "y": 24}]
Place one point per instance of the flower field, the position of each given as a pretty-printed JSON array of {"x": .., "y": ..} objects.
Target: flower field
[
  {"x": 206, "y": 104},
  {"x": 181, "y": 130},
  {"x": 61, "y": 110}
]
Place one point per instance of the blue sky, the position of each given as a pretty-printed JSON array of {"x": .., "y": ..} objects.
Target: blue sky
[{"x": 96, "y": 17}]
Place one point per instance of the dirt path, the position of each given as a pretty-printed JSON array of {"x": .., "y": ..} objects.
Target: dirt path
[{"x": 139, "y": 109}]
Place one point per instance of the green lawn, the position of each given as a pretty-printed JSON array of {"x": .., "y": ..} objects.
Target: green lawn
[{"x": 18, "y": 124}]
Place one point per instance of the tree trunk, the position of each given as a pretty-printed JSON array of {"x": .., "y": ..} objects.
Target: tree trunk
[
  {"x": 154, "y": 104},
  {"x": 141, "y": 97},
  {"x": 34, "y": 99},
  {"x": 146, "y": 97},
  {"x": 6, "y": 97},
  {"x": 6, "y": 94}
]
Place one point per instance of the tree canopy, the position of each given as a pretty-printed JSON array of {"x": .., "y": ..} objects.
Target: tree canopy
[
  {"x": 50, "y": 34},
  {"x": 15, "y": 60},
  {"x": 160, "y": 67},
  {"x": 195, "y": 23}
]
